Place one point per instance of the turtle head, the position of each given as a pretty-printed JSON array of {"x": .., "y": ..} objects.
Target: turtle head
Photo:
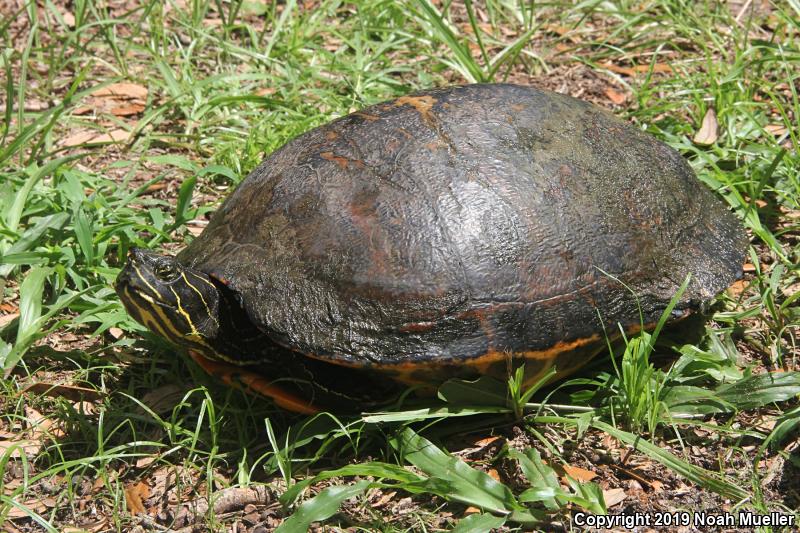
[{"x": 176, "y": 302}]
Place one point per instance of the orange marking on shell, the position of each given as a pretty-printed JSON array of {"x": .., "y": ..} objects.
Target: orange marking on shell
[
  {"x": 406, "y": 372},
  {"x": 343, "y": 162},
  {"x": 331, "y": 135},
  {"x": 422, "y": 104},
  {"x": 491, "y": 356},
  {"x": 254, "y": 383},
  {"x": 367, "y": 116}
]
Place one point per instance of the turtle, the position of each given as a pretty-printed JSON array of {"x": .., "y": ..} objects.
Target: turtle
[{"x": 450, "y": 233}]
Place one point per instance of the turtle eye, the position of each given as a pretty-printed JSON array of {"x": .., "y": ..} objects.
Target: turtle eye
[{"x": 166, "y": 272}]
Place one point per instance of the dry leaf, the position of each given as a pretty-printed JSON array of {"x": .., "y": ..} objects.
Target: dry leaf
[
  {"x": 162, "y": 399},
  {"x": 738, "y": 288},
  {"x": 135, "y": 496},
  {"x": 70, "y": 392},
  {"x": 485, "y": 442},
  {"x": 767, "y": 425},
  {"x": 82, "y": 137},
  {"x": 709, "y": 129},
  {"x": 657, "y": 486},
  {"x": 777, "y": 130},
  {"x": 613, "y": 497},
  {"x": 609, "y": 442},
  {"x": 471, "y": 510},
  {"x": 636, "y": 69},
  {"x": 616, "y": 97},
  {"x": 87, "y": 408},
  {"x": 386, "y": 498},
  {"x": 115, "y": 332},
  {"x": 11, "y": 528},
  {"x": 661, "y": 68},
  {"x": 558, "y": 30},
  {"x": 37, "y": 420},
  {"x": 29, "y": 447},
  {"x": 494, "y": 474},
  {"x": 144, "y": 462},
  {"x": 127, "y": 110},
  {"x": 11, "y": 485},
  {"x": 113, "y": 136},
  {"x": 38, "y": 506},
  {"x": 581, "y": 474},
  {"x": 749, "y": 267},
  {"x": 82, "y": 110},
  {"x": 122, "y": 90},
  {"x": 69, "y": 19},
  {"x": 41, "y": 427},
  {"x": 94, "y": 137},
  {"x": 7, "y": 319}
]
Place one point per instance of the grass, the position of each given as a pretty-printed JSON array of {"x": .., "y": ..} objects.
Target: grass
[{"x": 86, "y": 174}]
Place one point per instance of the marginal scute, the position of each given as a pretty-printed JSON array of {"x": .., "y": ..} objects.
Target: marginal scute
[{"x": 462, "y": 230}]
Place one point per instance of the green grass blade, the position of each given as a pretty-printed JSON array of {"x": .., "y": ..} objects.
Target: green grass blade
[
  {"x": 281, "y": 456},
  {"x": 762, "y": 389},
  {"x": 787, "y": 426},
  {"x": 432, "y": 412},
  {"x": 36, "y": 330},
  {"x": 30, "y": 299},
  {"x": 695, "y": 474},
  {"x": 478, "y": 523},
  {"x": 84, "y": 233},
  {"x": 466, "y": 484},
  {"x": 546, "y": 488},
  {"x": 485, "y": 390},
  {"x": 34, "y": 516},
  {"x": 473, "y": 22},
  {"x": 510, "y": 52},
  {"x": 184, "y": 200},
  {"x": 539, "y": 475},
  {"x": 30, "y": 237},
  {"x": 668, "y": 311},
  {"x": 35, "y": 173},
  {"x": 442, "y": 31},
  {"x": 407, "y": 479},
  {"x": 288, "y": 10},
  {"x": 321, "y": 507}
]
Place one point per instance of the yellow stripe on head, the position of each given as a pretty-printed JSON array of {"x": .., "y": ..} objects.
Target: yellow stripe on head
[
  {"x": 200, "y": 294},
  {"x": 143, "y": 279},
  {"x": 145, "y": 313}
]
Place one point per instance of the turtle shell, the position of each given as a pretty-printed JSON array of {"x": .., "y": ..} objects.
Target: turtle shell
[{"x": 466, "y": 227}]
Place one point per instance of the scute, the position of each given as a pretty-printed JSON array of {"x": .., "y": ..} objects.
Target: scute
[{"x": 453, "y": 223}]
